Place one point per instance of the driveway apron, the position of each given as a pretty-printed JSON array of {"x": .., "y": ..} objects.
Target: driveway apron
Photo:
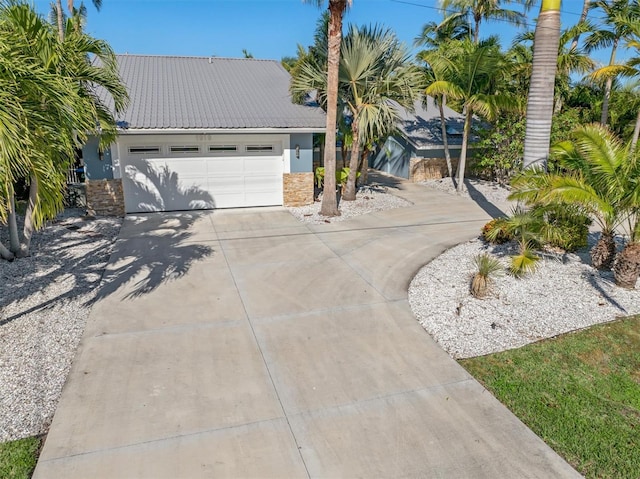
[{"x": 242, "y": 343}]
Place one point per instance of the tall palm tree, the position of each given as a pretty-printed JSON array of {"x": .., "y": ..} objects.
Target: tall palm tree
[
  {"x": 53, "y": 84},
  {"x": 329, "y": 206},
  {"x": 376, "y": 76},
  {"x": 583, "y": 18},
  {"x": 474, "y": 79},
  {"x": 570, "y": 60},
  {"x": 475, "y": 11},
  {"x": 619, "y": 15},
  {"x": 77, "y": 14},
  {"x": 540, "y": 102}
]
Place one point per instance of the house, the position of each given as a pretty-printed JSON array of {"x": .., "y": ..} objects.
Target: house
[
  {"x": 416, "y": 152},
  {"x": 204, "y": 133}
]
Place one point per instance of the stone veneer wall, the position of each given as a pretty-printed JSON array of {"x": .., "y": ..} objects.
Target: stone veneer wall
[
  {"x": 297, "y": 189},
  {"x": 105, "y": 197},
  {"x": 421, "y": 169}
]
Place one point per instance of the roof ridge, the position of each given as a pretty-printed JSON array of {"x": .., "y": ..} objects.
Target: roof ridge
[{"x": 195, "y": 57}]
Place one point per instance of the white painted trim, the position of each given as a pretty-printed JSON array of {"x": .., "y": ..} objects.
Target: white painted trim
[{"x": 234, "y": 131}]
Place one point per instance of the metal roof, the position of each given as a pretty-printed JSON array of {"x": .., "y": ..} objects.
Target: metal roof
[
  {"x": 170, "y": 92},
  {"x": 423, "y": 128}
]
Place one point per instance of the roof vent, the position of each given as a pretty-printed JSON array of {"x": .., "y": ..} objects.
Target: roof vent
[{"x": 210, "y": 60}]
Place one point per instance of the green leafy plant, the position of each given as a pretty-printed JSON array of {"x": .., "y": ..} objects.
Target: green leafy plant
[
  {"x": 488, "y": 268},
  {"x": 341, "y": 176}
]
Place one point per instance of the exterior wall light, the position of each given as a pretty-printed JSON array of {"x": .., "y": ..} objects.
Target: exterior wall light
[{"x": 298, "y": 152}]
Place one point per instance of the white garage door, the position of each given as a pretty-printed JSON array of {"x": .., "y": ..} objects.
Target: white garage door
[{"x": 187, "y": 183}]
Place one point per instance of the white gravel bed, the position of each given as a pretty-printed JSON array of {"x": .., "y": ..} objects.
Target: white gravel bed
[
  {"x": 369, "y": 198},
  {"x": 44, "y": 304},
  {"x": 473, "y": 188},
  {"x": 563, "y": 295}
]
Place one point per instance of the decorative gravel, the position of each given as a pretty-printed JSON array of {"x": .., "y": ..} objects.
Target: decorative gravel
[
  {"x": 369, "y": 198},
  {"x": 563, "y": 295},
  {"x": 473, "y": 188},
  {"x": 44, "y": 304}
]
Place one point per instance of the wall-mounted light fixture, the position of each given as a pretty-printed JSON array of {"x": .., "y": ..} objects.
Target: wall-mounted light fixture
[{"x": 298, "y": 152}]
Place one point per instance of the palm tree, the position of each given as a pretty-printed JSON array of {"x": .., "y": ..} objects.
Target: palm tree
[
  {"x": 434, "y": 34},
  {"x": 540, "y": 102},
  {"x": 583, "y": 18},
  {"x": 595, "y": 174},
  {"x": 475, "y": 11},
  {"x": 337, "y": 8},
  {"x": 55, "y": 108},
  {"x": 473, "y": 79},
  {"x": 77, "y": 14},
  {"x": 376, "y": 76},
  {"x": 620, "y": 15},
  {"x": 570, "y": 60}
]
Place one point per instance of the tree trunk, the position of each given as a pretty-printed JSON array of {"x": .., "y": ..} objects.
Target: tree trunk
[
  {"x": 583, "y": 18},
  {"x": 349, "y": 193},
  {"x": 27, "y": 231},
  {"x": 364, "y": 166},
  {"x": 60, "y": 17},
  {"x": 463, "y": 152},
  {"x": 541, "y": 98},
  {"x": 604, "y": 118},
  {"x": 12, "y": 220},
  {"x": 445, "y": 140},
  {"x": 636, "y": 134},
  {"x": 5, "y": 253},
  {"x": 329, "y": 205},
  {"x": 604, "y": 251},
  {"x": 626, "y": 269}
]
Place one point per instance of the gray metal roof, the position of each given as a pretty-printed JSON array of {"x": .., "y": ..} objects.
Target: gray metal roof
[
  {"x": 210, "y": 93},
  {"x": 423, "y": 129}
]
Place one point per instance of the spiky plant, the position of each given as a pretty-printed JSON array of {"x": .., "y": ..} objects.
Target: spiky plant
[
  {"x": 488, "y": 268},
  {"x": 526, "y": 261}
]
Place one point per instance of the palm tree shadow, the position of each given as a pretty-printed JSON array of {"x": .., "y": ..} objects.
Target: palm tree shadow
[
  {"x": 482, "y": 201},
  {"x": 151, "y": 250}
]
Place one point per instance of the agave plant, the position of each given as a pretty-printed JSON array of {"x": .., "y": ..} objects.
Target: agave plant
[{"x": 488, "y": 268}]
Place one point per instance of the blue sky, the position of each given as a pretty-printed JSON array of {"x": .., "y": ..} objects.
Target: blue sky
[{"x": 268, "y": 29}]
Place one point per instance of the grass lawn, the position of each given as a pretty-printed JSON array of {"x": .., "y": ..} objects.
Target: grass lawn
[
  {"x": 579, "y": 392},
  {"x": 18, "y": 458}
]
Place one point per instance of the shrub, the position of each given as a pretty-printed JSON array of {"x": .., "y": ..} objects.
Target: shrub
[
  {"x": 564, "y": 226},
  {"x": 496, "y": 231}
]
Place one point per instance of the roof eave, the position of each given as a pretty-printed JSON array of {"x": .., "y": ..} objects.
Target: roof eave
[{"x": 155, "y": 131}]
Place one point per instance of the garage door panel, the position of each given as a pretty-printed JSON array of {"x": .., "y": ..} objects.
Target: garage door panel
[{"x": 166, "y": 184}]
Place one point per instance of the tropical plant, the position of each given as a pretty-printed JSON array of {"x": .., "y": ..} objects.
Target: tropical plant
[
  {"x": 53, "y": 106},
  {"x": 473, "y": 77},
  {"x": 375, "y": 78},
  {"x": 524, "y": 228},
  {"x": 626, "y": 268},
  {"x": 475, "y": 11},
  {"x": 342, "y": 176},
  {"x": 488, "y": 267},
  {"x": 76, "y": 15},
  {"x": 620, "y": 16},
  {"x": 496, "y": 237},
  {"x": 540, "y": 102},
  {"x": 329, "y": 206},
  {"x": 596, "y": 173}
]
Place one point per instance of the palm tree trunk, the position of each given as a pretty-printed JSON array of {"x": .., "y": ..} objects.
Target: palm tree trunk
[
  {"x": 12, "y": 220},
  {"x": 541, "y": 98},
  {"x": 604, "y": 118},
  {"x": 583, "y": 18},
  {"x": 463, "y": 152},
  {"x": 349, "y": 193},
  {"x": 329, "y": 205},
  {"x": 60, "y": 18},
  {"x": 364, "y": 166},
  {"x": 27, "y": 231},
  {"x": 5, "y": 253},
  {"x": 636, "y": 134},
  {"x": 445, "y": 141}
]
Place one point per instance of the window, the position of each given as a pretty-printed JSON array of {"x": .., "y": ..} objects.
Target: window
[
  {"x": 185, "y": 149},
  {"x": 140, "y": 150},
  {"x": 223, "y": 148},
  {"x": 259, "y": 148}
]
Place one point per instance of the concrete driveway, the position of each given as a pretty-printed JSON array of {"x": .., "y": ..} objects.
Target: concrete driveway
[{"x": 241, "y": 343}]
